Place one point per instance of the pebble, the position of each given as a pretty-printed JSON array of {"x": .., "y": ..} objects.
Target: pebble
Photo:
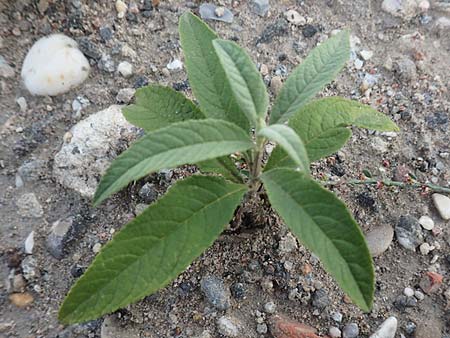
[
  {"x": 282, "y": 327},
  {"x": 29, "y": 266},
  {"x": 430, "y": 282},
  {"x": 106, "y": 33},
  {"x": 95, "y": 142},
  {"x": 337, "y": 316},
  {"x": 309, "y": 31},
  {"x": 121, "y": 8},
  {"x": 406, "y": 69},
  {"x": 270, "y": 307},
  {"x": 260, "y": 7},
  {"x": 408, "y": 292},
  {"x": 261, "y": 328},
  {"x": 175, "y": 65},
  {"x": 387, "y": 329},
  {"x": 58, "y": 237},
  {"x": 140, "y": 208},
  {"x": 69, "y": 67},
  {"x": 22, "y": 103},
  {"x": 96, "y": 248},
  {"x": 442, "y": 204},
  {"x": 214, "y": 290},
  {"x": 140, "y": 81},
  {"x": 6, "y": 71},
  {"x": 419, "y": 295},
  {"x": 405, "y": 9},
  {"x": 147, "y": 193},
  {"x": 410, "y": 327},
  {"x": 379, "y": 239},
  {"x": 125, "y": 95},
  {"x": 408, "y": 232},
  {"x": 295, "y": 18},
  {"x": 29, "y": 243},
  {"x": 113, "y": 328},
  {"x": 29, "y": 206},
  {"x": 426, "y": 222},
  {"x": 125, "y": 69},
  {"x": 358, "y": 63},
  {"x": 334, "y": 332},
  {"x": 106, "y": 63},
  {"x": 21, "y": 300},
  {"x": 287, "y": 244},
  {"x": 228, "y": 326},
  {"x": 350, "y": 331},
  {"x": 209, "y": 12},
  {"x": 276, "y": 84},
  {"x": 320, "y": 299},
  {"x": 366, "y": 54},
  {"x": 238, "y": 290},
  {"x": 426, "y": 248}
]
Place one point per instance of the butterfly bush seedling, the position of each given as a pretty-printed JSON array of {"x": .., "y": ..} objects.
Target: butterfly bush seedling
[{"x": 232, "y": 117}]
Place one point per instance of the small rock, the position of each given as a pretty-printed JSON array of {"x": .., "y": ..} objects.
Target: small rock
[
  {"x": 408, "y": 232},
  {"x": 238, "y": 290},
  {"x": 350, "y": 331},
  {"x": 358, "y": 63},
  {"x": 175, "y": 65},
  {"x": 426, "y": 222},
  {"x": 260, "y": 7},
  {"x": 426, "y": 248},
  {"x": 6, "y": 71},
  {"x": 215, "y": 292},
  {"x": 282, "y": 327},
  {"x": 334, "y": 332},
  {"x": 379, "y": 239},
  {"x": 58, "y": 237},
  {"x": 121, "y": 8},
  {"x": 140, "y": 81},
  {"x": 140, "y": 208},
  {"x": 29, "y": 206},
  {"x": 106, "y": 33},
  {"x": 22, "y": 103},
  {"x": 287, "y": 244},
  {"x": 106, "y": 63},
  {"x": 366, "y": 54},
  {"x": 379, "y": 145},
  {"x": 69, "y": 66},
  {"x": 320, "y": 299},
  {"x": 387, "y": 329},
  {"x": 113, "y": 328},
  {"x": 208, "y": 12},
  {"x": 419, "y": 295},
  {"x": 29, "y": 268},
  {"x": 96, "y": 248},
  {"x": 29, "y": 243},
  {"x": 337, "y": 317},
  {"x": 410, "y": 328},
  {"x": 125, "y": 69},
  {"x": 402, "y": 302},
  {"x": 261, "y": 328},
  {"x": 276, "y": 84},
  {"x": 147, "y": 193},
  {"x": 442, "y": 204},
  {"x": 21, "y": 299},
  {"x": 125, "y": 95},
  {"x": 219, "y": 12},
  {"x": 430, "y": 282},
  {"x": 294, "y": 17},
  {"x": 309, "y": 31},
  {"x": 406, "y": 69},
  {"x": 228, "y": 326},
  {"x": 270, "y": 307},
  {"x": 405, "y": 9},
  {"x": 408, "y": 292},
  {"x": 19, "y": 283},
  {"x": 89, "y": 48}
]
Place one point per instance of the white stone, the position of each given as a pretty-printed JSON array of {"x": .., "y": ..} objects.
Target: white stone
[
  {"x": 125, "y": 69},
  {"x": 334, "y": 332},
  {"x": 408, "y": 292},
  {"x": 387, "y": 329},
  {"x": 96, "y": 248},
  {"x": 419, "y": 295},
  {"x": 358, "y": 63},
  {"x": 294, "y": 17},
  {"x": 227, "y": 327},
  {"x": 93, "y": 144},
  {"x": 426, "y": 222},
  {"x": 270, "y": 307},
  {"x": 121, "y": 8},
  {"x": 426, "y": 248},
  {"x": 175, "y": 65},
  {"x": 405, "y": 9},
  {"x": 22, "y": 103},
  {"x": 442, "y": 204},
  {"x": 366, "y": 54},
  {"x": 54, "y": 65},
  {"x": 29, "y": 243}
]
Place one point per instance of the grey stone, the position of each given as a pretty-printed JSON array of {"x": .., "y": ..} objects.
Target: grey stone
[
  {"x": 210, "y": 12},
  {"x": 320, "y": 299},
  {"x": 111, "y": 328},
  {"x": 29, "y": 268},
  {"x": 261, "y": 328},
  {"x": 379, "y": 239},
  {"x": 94, "y": 143},
  {"x": 32, "y": 170},
  {"x": 147, "y": 193},
  {"x": 387, "y": 329},
  {"x": 214, "y": 290},
  {"x": 287, "y": 244},
  {"x": 260, "y": 7},
  {"x": 409, "y": 232},
  {"x": 405, "y": 9},
  {"x": 406, "y": 69},
  {"x": 337, "y": 316},
  {"x": 58, "y": 237},
  {"x": 350, "y": 331},
  {"x": 270, "y": 307},
  {"x": 6, "y": 70},
  {"x": 125, "y": 95},
  {"x": 29, "y": 206},
  {"x": 334, "y": 332},
  {"x": 228, "y": 326}
]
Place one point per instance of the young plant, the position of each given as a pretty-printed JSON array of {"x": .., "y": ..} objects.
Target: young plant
[{"x": 232, "y": 117}]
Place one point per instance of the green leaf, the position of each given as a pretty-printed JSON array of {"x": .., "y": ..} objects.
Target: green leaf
[
  {"x": 323, "y": 224},
  {"x": 318, "y": 69},
  {"x": 158, "y": 106},
  {"x": 154, "y": 248},
  {"x": 178, "y": 144},
  {"x": 205, "y": 72},
  {"x": 290, "y": 142},
  {"x": 244, "y": 79},
  {"x": 322, "y": 124},
  {"x": 223, "y": 166}
]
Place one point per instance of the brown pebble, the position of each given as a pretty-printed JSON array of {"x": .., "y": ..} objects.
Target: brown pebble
[{"x": 21, "y": 299}]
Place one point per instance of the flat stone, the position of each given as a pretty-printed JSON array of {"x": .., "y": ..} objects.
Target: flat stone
[
  {"x": 379, "y": 239},
  {"x": 112, "y": 328},
  {"x": 228, "y": 326},
  {"x": 58, "y": 237},
  {"x": 282, "y": 327},
  {"x": 294, "y": 17},
  {"x": 214, "y": 290},
  {"x": 260, "y": 7},
  {"x": 405, "y": 9},
  {"x": 125, "y": 95},
  {"x": 426, "y": 222},
  {"x": 350, "y": 331},
  {"x": 210, "y": 12},
  {"x": 408, "y": 232},
  {"x": 21, "y": 300},
  {"x": 94, "y": 143},
  {"x": 387, "y": 329},
  {"x": 29, "y": 243},
  {"x": 442, "y": 204},
  {"x": 29, "y": 206}
]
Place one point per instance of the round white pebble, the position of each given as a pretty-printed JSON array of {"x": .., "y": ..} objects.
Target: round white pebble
[
  {"x": 125, "y": 69},
  {"x": 334, "y": 332},
  {"x": 96, "y": 248},
  {"x": 408, "y": 292},
  {"x": 54, "y": 65},
  {"x": 426, "y": 222}
]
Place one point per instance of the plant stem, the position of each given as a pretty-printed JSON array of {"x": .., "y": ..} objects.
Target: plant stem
[
  {"x": 256, "y": 163},
  {"x": 389, "y": 183}
]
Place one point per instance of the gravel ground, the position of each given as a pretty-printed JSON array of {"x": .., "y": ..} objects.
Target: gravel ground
[{"x": 400, "y": 65}]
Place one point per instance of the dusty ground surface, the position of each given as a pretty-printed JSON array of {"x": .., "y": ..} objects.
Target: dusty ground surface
[{"x": 411, "y": 62}]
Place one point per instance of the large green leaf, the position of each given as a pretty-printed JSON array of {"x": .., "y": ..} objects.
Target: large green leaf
[
  {"x": 244, "y": 79},
  {"x": 318, "y": 69},
  {"x": 154, "y": 248},
  {"x": 205, "y": 72},
  {"x": 322, "y": 124},
  {"x": 157, "y": 106},
  {"x": 180, "y": 143},
  {"x": 323, "y": 224},
  {"x": 287, "y": 139},
  {"x": 223, "y": 166}
]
